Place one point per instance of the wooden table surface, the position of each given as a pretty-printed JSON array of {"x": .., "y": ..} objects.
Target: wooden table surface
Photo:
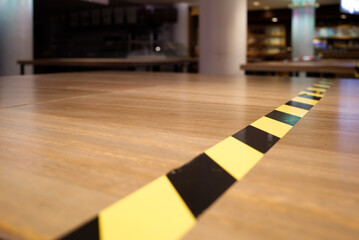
[
  {"x": 323, "y": 66},
  {"x": 72, "y": 144}
]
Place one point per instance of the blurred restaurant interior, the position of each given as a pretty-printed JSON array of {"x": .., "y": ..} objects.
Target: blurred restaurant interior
[
  {"x": 179, "y": 119},
  {"x": 50, "y": 29}
]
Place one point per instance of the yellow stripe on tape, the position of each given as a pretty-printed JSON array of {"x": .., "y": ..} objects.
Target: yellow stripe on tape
[
  {"x": 235, "y": 157},
  {"x": 321, "y": 85},
  {"x": 292, "y": 110},
  {"x": 155, "y": 211},
  {"x": 272, "y": 126},
  {"x": 312, "y": 94},
  {"x": 317, "y": 89},
  {"x": 305, "y": 100}
]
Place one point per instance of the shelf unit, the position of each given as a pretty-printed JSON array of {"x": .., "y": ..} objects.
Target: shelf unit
[
  {"x": 265, "y": 41},
  {"x": 341, "y": 41}
]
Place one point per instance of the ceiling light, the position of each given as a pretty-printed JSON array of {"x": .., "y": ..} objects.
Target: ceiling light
[
  {"x": 256, "y": 4},
  {"x": 274, "y": 19},
  {"x": 343, "y": 16}
]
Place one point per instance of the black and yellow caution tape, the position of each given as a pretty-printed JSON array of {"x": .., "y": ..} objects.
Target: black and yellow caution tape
[
  {"x": 356, "y": 71},
  {"x": 168, "y": 207}
]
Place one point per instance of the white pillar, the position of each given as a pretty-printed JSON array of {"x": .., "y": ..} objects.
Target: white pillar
[
  {"x": 16, "y": 18},
  {"x": 303, "y": 28},
  {"x": 223, "y": 36},
  {"x": 181, "y": 27}
]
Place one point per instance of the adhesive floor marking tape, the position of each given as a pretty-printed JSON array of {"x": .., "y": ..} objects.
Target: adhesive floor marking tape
[{"x": 168, "y": 207}]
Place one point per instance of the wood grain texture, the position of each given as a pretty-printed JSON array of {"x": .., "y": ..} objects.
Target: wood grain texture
[
  {"x": 323, "y": 66},
  {"x": 72, "y": 144}
]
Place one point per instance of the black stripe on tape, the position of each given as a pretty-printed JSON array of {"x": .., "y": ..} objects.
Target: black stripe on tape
[
  {"x": 283, "y": 117},
  {"x": 200, "y": 182},
  {"x": 309, "y": 96},
  {"x": 88, "y": 231},
  {"x": 320, "y": 87},
  {"x": 299, "y": 105},
  {"x": 313, "y": 91},
  {"x": 356, "y": 72},
  {"x": 256, "y": 138}
]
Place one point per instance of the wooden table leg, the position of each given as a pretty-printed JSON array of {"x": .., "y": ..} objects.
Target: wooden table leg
[{"x": 22, "y": 69}]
